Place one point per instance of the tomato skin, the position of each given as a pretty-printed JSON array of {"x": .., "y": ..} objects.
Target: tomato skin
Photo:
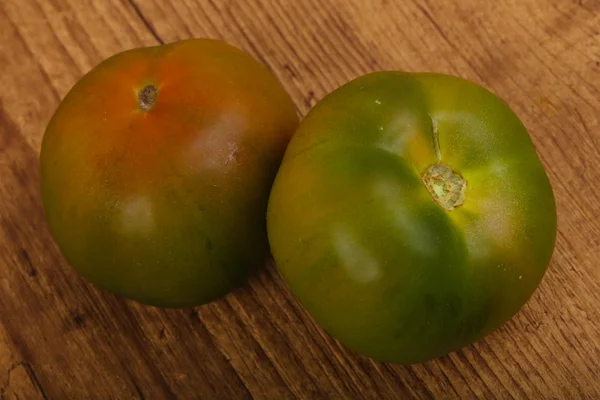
[
  {"x": 366, "y": 249},
  {"x": 166, "y": 206}
]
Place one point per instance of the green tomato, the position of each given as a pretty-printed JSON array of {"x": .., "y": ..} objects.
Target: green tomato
[{"x": 411, "y": 215}]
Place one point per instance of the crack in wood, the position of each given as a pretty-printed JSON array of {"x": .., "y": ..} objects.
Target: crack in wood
[
  {"x": 31, "y": 270},
  {"x": 145, "y": 21},
  {"x": 27, "y": 367}
]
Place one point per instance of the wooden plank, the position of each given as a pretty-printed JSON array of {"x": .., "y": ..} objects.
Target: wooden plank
[
  {"x": 61, "y": 338},
  {"x": 21, "y": 383}
]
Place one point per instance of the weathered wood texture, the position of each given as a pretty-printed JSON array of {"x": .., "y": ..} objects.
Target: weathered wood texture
[{"x": 62, "y": 339}]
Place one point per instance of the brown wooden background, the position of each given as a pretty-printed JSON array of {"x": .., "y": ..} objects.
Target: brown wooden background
[{"x": 62, "y": 339}]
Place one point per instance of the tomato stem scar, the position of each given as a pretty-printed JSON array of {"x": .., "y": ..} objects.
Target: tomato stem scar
[
  {"x": 147, "y": 97},
  {"x": 445, "y": 186}
]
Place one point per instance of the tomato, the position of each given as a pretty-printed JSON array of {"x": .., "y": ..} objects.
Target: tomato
[
  {"x": 156, "y": 170},
  {"x": 411, "y": 215}
]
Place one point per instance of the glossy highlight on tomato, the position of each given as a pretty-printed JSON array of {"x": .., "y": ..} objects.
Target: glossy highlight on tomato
[
  {"x": 411, "y": 215},
  {"x": 157, "y": 166}
]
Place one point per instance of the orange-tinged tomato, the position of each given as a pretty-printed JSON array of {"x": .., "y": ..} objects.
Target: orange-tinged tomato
[{"x": 157, "y": 166}]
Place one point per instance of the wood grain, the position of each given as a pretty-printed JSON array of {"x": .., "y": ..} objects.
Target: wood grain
[{"x": 62, "y": 339}]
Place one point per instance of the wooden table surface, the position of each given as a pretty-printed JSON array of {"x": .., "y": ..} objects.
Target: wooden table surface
[{"x": 60, "y": 338}]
